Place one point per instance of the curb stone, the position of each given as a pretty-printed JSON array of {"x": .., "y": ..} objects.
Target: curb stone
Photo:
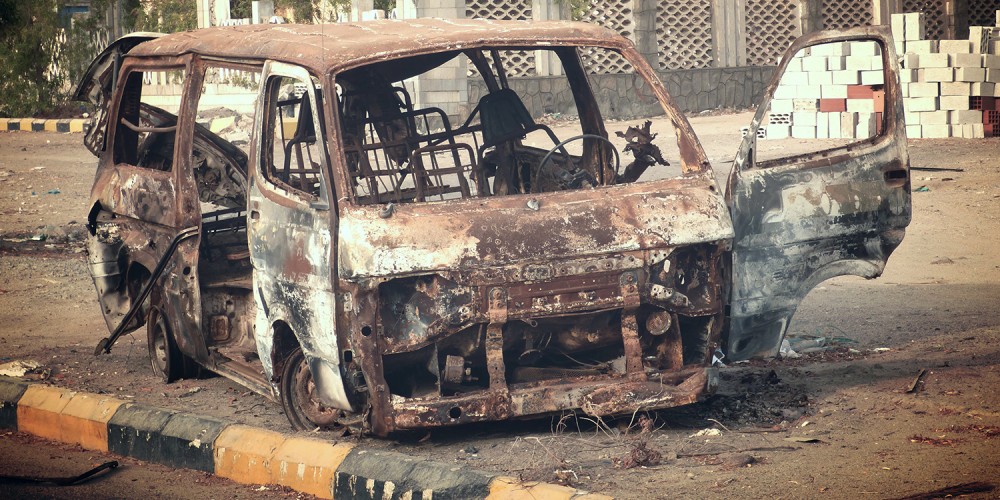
[
  {"x": 247, "y": 454},
  {"x": 65, "y": 125}
]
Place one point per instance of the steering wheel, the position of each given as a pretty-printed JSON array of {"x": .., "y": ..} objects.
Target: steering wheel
[{"x": 561, "y": 145}]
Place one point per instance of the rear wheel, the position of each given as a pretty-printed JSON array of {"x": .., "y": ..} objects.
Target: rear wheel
[
  {"x": 166, "y": 359},
  {"x": 301, "y": 404}
]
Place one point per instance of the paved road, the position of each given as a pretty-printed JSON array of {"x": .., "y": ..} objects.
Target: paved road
[{"x": 24, "y": 455}]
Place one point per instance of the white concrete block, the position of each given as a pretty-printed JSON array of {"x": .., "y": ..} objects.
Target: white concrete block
[
  {"x": 955, "y": 46},
  {"x": 877, "y": 63},
  {"x": 782, "y": 105},
  {"x": 970, "y": 74},
  {"x": 866, "y": 126},
  {"x": 965, "y": 60},
  {"x": 954, "y": 102},
  {"x": 794, "y": 66},
  {"x": 918, "y": 104},
  {"x": 833, "y": 125},
  {"x": 835, "y": 63},
  {"x": 993, "y": 75},
  {"x": 860, "y": 105},
  {"x": 904, "y": 90},
  {"x": 834, "y": 91},
  {"x": 934, "y": 118},
  {"x": 831, "y": 49},
  {"x": 858, "y": 63},
  {"x": 820, "y": 78},
  {"x": 814, "y": 63},
  {"x": 991, "y": 61},
  {"x": 932, "y": 61},
  {"x": 822, "y": 126},
  {"x": 872, "y": 78},
  {"x": 924, "y": 89},
  {"x": 785, "y": 92},
  {"x": 907, "y": 75},
  {"x": 980, "y": 38},
  {"x": 909, "y": 61},
  {"x": 805, "y": 105},
  {"x": 848, "y": 122},
  {"x": 937, "y": 74},
  {"x": 897, "y": 23},
  {"x": 936, "y": 131},
  {"x": 778, "y": 131},
  {"x": 913, "y": 132},
  {"x": 913, "y": 26},
  {"x": 799, "y": 78},
  {"x": 803, "y": 132},
  {"x": 978, "y": 131},
  {"x": 804, "y": 118},
  {"x": 852, "y": 77},
  {"x": 922, "y": 46},
  {"x": 808, "y": 91},
  {"x": 910, "y": 117},
  {"x": 956, "y": 89},
  {"x": 982, "y": 88},
  {"x": 864, "y": 49},
  {"x": 963, "y": 117}
]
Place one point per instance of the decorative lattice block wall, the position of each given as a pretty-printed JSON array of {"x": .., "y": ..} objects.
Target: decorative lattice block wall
[
  {"x": 684, "y": 33},
  {"x": 983, "y": 12},
  {"x": 936, "y": 21},
  {"x": 843, "y": 14},
  {"x": 616, "y": 15},
  {"x": 517, "y": 62},
  {"x": 771, "y": 26}
]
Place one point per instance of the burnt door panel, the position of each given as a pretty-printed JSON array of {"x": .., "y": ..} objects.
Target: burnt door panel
[
  {"x": 289, "y": 228},
  {"x": 838, "y": 210}
]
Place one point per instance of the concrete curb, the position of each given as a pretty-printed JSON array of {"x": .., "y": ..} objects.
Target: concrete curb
[
  {"x": 66, "y": 125},
  {"x": 249, "y": 455}
]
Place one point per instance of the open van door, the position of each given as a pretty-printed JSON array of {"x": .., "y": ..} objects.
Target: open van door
[
  {"x": 840, "y": 209},
  {"x": 99, "y": 81}
]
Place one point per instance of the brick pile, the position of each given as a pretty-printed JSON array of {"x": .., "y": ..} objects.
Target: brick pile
[
  {"x": 830, "y": 91},
  {"x": 949, "y": 86},
  {"x": 836, "y": 90}
]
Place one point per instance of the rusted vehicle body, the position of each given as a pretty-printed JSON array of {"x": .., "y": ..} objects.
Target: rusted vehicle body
[{"x": 373, "y": 264}]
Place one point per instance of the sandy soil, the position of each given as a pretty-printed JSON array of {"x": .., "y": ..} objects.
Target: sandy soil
[{"x": 839, "y": 422}]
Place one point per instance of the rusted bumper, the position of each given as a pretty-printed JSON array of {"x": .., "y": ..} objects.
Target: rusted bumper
[{"x": 598, "y": 396}]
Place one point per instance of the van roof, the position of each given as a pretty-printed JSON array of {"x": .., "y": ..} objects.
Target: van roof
[{"x": 322, "y": 47}]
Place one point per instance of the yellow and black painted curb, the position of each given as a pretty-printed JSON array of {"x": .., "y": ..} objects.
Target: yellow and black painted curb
[
  {"x": 67, "y": 125},
  {"x": 249, "y": 455}
]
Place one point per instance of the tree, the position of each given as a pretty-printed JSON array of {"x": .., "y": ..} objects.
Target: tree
[
  {"x": 165, "y": 16},
  {"x": 28, "y": 39}
]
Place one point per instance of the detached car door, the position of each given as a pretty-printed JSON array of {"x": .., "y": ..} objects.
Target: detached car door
[{"x": 838, "y": 208}]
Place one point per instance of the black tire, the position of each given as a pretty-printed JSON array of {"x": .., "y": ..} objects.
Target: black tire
[
  {"x": 304, "y": 411},
  {"x": 165, "y": 358}
]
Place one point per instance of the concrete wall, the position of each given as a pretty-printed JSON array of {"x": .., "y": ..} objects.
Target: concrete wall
[{"x": 623, "y": 96}]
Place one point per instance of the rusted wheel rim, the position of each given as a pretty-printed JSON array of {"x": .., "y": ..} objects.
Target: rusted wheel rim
[
  {"x": 304, "y": 389},
  {"x": 160, "y": 357}
]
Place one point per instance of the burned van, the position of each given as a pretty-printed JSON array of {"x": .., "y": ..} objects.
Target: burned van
[{"x": 322, "y": 214}]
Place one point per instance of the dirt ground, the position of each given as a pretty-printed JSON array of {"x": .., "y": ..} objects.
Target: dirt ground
[{"x": 838, "y": 422}]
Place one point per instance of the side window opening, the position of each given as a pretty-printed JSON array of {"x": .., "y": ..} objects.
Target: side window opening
[
  {"x": 830, "y": 95},
  {"x": 147, "y": 122},
  {"x": 220, "y": 151},
  {"x": 400, "y": 150},
  {"x": 293, "y": 149}
]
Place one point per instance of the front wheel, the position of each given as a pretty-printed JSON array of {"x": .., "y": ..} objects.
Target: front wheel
[
  {"x": 300, "y": 402},
  {"x": 166, "y": 359}
]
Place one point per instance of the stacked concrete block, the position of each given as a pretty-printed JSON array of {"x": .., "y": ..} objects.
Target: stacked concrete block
[
  {"x": 830, "y": 91},
  {"x": 948, "y": 85}
]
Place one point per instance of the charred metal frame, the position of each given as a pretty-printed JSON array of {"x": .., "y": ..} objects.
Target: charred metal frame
[{"x": 640, "y": 270}]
